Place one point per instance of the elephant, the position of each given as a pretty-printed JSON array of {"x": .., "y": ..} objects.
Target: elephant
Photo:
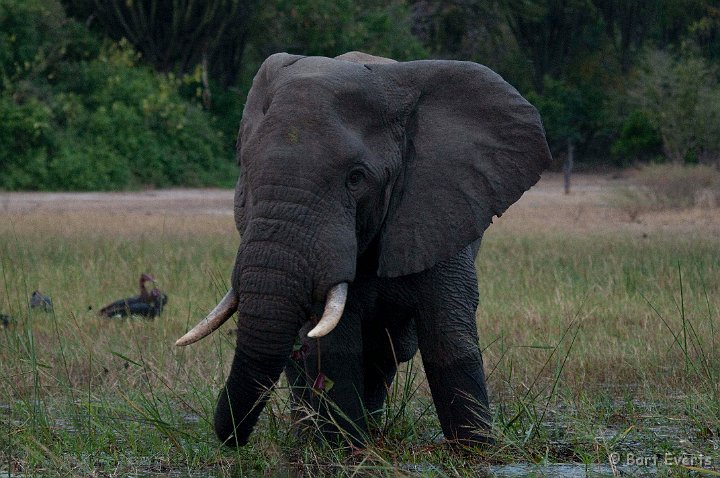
[{"x": 365, "y": 186}]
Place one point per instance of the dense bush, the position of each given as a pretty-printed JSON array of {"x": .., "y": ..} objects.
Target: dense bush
[
  {"x": 25, "y": 137},
  {"x": 638, "y": 140},
  {"x": 79, "y": 113}
]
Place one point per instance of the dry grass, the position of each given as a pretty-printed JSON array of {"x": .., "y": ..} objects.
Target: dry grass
[
  {"x": 666, "y": 187},
  {"x": 122, "y": 225}
]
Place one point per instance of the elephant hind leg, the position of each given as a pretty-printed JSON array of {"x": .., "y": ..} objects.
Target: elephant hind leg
[
  {"x": 378, "y": 379},
  {"x": 389, "y": 339},
  {"x": 328, "y": 383}
]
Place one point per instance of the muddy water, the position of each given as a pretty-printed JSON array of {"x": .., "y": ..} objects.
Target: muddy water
[{"x": 567, "y": 470}]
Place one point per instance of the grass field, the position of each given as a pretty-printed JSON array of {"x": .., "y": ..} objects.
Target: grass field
[{"x": 600, "y": 339}]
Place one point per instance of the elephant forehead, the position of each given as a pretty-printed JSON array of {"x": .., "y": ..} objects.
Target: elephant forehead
[
  {"x": 330, "y": 92},
  {"x": 319, "y": 113},
  {"x": 296, "y": 145},
  {"x": 290, "y": 124}
]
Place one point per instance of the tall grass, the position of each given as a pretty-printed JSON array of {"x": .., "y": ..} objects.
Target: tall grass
[{"x": 592, "y": 344}]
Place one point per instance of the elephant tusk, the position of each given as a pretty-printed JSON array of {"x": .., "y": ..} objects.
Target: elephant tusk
[
  {"x": 333, "y": 311},
  {"x": 222, "y": 312}
]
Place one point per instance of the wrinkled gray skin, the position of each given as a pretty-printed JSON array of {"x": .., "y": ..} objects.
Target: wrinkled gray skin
[{"x": 383, "y": 175}]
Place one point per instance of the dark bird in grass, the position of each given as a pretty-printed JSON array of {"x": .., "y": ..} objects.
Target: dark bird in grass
[
  {"x": 40, "y": 301},
  {"x": 148, "y": 304},
  {"x": 6, "y": 320}
]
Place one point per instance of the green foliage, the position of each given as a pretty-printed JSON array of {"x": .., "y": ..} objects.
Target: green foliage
[
  {"x": 638, "y": 139},
  {"x": 25, "y": 136},
  {"x": 77, "y": 115},
  {"x": 569, "y": 112},
  {"x": 82, "y": 96},
  {"x": 330, "y": 28},
  {"x": 680, "y": 95},
  {"x": 227, "y": 108},
  {"x": 178, "y": 35},
  {"x": 600, "y": 43},
  {"x": 27, "y": 30},
  {"x": 140, "y": 115}
]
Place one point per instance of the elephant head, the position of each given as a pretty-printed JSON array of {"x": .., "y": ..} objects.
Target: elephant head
[{"x": 400, "y": 164}]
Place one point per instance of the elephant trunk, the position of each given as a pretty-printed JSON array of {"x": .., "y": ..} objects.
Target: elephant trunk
[
  {"x": 288, "y": 262},
  {"x": 272, "y": 305}
]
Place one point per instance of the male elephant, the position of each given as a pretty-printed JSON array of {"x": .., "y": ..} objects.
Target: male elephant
[{"x": 365, "y": 187}]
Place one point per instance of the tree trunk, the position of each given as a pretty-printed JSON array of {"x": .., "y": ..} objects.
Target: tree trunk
[{"x": 568, "y": 166}]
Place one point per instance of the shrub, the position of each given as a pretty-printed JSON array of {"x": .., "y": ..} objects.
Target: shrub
[
  {"x": 668, "y": 186},
  {"x": 35, "y": 36},
  {"x": 86, "y": 118},
  {"x": 27, "y": 31},
  {"x": 638, "y": 139},
  {"x": 681, "y": 98},
  {"x": 26, "y": 137},
  {"x": 89, "y": 166},
  {"x": 164, "y": 139}
]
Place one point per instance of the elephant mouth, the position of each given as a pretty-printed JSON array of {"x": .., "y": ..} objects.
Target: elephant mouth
[{"x": 334, "y": 306}]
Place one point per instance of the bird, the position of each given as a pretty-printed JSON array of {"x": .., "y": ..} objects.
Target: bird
[
  {"x": 148, "y": 304},
  {"x": 6, "y": 320},
  {"x": 40, "y": 301}
]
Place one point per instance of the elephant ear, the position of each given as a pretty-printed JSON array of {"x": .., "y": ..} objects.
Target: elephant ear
[
  {"x": 256, "y": 104},
  {"x": 473, "y": 146}
]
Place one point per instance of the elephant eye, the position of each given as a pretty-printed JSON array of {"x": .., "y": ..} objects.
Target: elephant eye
[{"x": 355, "y": 177}]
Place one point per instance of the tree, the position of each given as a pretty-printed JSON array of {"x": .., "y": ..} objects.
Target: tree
[
  {"x": 461, "y": 29},
  {"x": 333, "y": 27},
  {"x": 554, "y": 35},
  {"x": 671, "y": 20},
  {"x": 705, "y": 32},
  {"x": 681, "y": 97},
  {"x": 627, "y": 23},
  {"x": 570, "y": 114},
  {"x": 179, "y": 35}
]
